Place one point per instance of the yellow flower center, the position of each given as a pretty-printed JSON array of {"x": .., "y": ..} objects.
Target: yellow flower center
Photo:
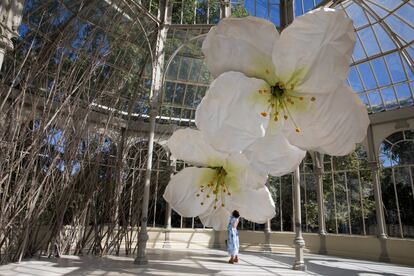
[
  {"x": 216, "y": 187},
  {"x": 281, "y": 99}
]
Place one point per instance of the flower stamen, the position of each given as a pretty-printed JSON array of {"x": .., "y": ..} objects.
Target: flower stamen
[
  {"x": 217, "y": 187},
  {"x": 297, "y": 129}
]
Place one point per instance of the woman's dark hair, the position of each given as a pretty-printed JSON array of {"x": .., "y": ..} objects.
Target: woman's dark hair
[{"x": 236, "y": 214}]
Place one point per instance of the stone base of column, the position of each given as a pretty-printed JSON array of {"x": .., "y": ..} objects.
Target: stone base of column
[
  {"x": 141, "y": 261},
  {"x": 384, "y": 251},
  {"x": 322, "y": 248},
  {"x": 142, "y": 258},
  {"x": 299, "y": 266},
  {"x": 299, "y": 263},
  {"x": 167, "y": 243},
  {"x": 266, "y": 246}
]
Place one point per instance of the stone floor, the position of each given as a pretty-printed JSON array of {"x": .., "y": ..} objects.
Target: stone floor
[{"x": 201, "y": 262}]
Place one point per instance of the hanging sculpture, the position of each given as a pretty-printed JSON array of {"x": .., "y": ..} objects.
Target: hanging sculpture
[
  {"x": 274, "y": 97},
  {"x": 221, "y": 183}
]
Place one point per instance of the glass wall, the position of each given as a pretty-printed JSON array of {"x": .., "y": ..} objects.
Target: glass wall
[
  {"x": 348, "y": 196},
  {"x": 397, "y": 159}
]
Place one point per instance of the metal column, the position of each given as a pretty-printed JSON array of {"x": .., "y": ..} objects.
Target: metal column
[
  {"x": 299, "y": 242},
  {"x": 374, "y": 165},
  {"x": 164, "y": 14}
]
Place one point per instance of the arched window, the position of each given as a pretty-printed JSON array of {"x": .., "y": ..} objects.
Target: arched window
[
  {"x": 397, "y": 182},
  {"x": 134, "y": 178}
]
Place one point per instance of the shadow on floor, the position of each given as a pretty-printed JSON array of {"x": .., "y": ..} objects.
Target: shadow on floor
[{"x": 322, "y": 265}]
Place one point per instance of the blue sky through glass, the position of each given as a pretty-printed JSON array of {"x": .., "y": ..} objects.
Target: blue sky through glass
[{"x": 378, "y": 73}]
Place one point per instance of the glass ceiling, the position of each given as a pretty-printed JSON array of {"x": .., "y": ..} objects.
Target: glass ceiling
[
  {"x": 381, "y": 70},
  {"x": 382, "y": 64}
]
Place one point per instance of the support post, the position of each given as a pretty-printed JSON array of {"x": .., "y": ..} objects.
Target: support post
[
  {"x": 287, "y": 13},
  {"x": 374, "y": 166},
  {"x": 10, "y": 18},
  {"x": 164, "y": 15},
  {"x": 168, "y": 211},
  {"x": 267, "y": 234},
  {"x": 299, "y": 242},
  {"x": 167, "y": 231},
  {"x": 318, "y": 170}
]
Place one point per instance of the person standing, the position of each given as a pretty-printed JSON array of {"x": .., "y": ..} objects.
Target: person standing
[{"x": 233, "y": 237}]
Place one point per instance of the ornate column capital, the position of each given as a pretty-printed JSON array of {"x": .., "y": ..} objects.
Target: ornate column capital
[{"x": 10, "y": 18}]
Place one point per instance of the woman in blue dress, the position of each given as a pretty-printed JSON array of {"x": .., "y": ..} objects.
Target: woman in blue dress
[{"x": 233, "y": 237}]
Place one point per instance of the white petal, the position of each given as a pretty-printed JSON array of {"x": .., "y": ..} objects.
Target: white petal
[
  {"x": 182, "y": 189},
  {"x": 274, "y": 155},
  {"x": 315, "y": 50},
  {"x": 216, "y": 218},
  {"x": 253, "y": 204},
  {"x": 241, "y": 175},
  {"x": 229, "y": 116},
  {"x": 334, "y": 125},
  {"x": 189, "y": 145},
  {"x": 241, "y": 44}
]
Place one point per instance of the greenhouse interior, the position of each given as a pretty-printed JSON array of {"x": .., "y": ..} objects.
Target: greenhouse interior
[{"x": 109, "y": 108}]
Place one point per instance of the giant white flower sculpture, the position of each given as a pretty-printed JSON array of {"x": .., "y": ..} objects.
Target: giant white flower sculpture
[
  {"x": 222, "y": 183},
  {"x": 271, "y": 86}
]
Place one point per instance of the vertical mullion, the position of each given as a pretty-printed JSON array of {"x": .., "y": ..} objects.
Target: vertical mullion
[
  {"x": 292, "y": 184},
  {"x": 280, "y": 204},
  {"x": 208, "y": 11},
  {"x": 361, "y": 200},
  {"x": 334, "y": 196},
  {"x": 195, "y": 12},
  {"x": 306, "y": 200},
  {"x": 182, "y": 11},
  {"x": 397, "y": 203},
  {"x": 268, "y": 9},
  {"x": 348, "y": 203},
  {"x": 255, "y": 6},
  {"x": 411, "y": 178}
]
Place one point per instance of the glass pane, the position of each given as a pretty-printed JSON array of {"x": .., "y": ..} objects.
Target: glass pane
[
  {"x": 381, "y": 72},
  {"x": 368, "y": 201},
  {"x": 368, "y": 40},
  {"x": 357, "y": 15},
  {"x": 406, "y": 13},
  {"x": 354, "y": 80},
  {"x": 358, "y": 50},
  {"x": 405, "y": 32},
  {"x": 384, "y": 39},
  {"x": 376, "y": 101},
  {"x": 405, "y": 199},
  {"x": 404, "y": 94},
  {"x": 367, "y": 76},
  {"x": 329, "y": 204},
  {"x": 388, "y": 4},
  {"x": 389, "y": 201},
  {"x": 355, "y": 203},
  {"x": 389, "y": 97}
]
